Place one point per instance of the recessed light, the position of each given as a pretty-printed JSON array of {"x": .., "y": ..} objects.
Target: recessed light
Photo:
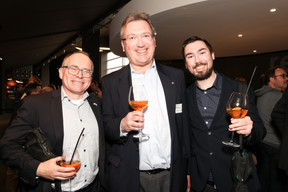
[
  {"x": 240, "y": 35},
  {"x": 255, "y": 51},
  {"x": 273, "y": 10}
]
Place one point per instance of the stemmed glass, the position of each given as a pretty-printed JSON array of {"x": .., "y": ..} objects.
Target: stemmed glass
[
  {"x": 138, "y": 100},
  {"x": 71, "y": 162},
  {"x": 237, "y": 107}
]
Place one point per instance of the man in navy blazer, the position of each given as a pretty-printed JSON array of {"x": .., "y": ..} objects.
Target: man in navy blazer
[
  {"x": 61, "y": 115},
  {"x": 209, "y": 123},
  {"x": 157, "y": 163}
]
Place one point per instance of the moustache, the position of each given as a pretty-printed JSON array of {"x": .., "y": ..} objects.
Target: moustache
[{"x": 199, "y": 64}]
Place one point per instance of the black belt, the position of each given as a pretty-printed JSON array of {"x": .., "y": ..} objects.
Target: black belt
[
  {"x": 211, "y": 184},
  {"x": 154, "y": 171}
]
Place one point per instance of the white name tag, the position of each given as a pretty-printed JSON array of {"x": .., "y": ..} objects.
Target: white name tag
[{"x": 178, "y": 108}]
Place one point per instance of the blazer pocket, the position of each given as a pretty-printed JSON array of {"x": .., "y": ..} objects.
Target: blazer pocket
[{"x": 114, "y": 160}]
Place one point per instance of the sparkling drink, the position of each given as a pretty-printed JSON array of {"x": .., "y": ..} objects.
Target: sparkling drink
[{"x": 138, "y": 105}]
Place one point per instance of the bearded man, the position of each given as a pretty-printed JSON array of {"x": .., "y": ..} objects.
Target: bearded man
[{"x": 209, "y": 123}]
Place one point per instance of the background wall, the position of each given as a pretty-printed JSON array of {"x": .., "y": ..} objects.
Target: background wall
[{"x": 239, "y": 66}]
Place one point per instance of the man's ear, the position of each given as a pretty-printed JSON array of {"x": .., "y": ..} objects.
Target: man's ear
[
  {"x": 213, "y": 55},
  {"x": 122, "y": 44},
  {"x": 60, "y": 70}
]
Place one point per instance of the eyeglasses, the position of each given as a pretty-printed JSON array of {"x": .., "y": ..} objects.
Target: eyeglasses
[
  {"x": 75, "y": 70},
  {"x": 146, "y": 37},
  {"x": 283, "y": 76}
]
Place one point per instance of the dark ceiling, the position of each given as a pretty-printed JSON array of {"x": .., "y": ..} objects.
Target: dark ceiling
[{"x": 32, "y": 31}]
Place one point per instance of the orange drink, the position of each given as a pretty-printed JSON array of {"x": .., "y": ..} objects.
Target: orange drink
[{"x": 75, "y": 164}]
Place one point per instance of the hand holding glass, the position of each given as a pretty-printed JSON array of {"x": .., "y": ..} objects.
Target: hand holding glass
[
  {"x": 237, "y": 107},
  {"x": 138, "y": 100},
  {"x": 69, "y": 162}
]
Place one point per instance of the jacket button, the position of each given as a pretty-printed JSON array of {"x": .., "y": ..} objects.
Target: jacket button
[{"x": 211, "y": 153}]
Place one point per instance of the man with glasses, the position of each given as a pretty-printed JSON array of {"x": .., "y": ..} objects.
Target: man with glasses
[
  {"x": 156, "y": 164},
  {"x": 61, "y": 115},
  {"x": 271, "y": 177}
]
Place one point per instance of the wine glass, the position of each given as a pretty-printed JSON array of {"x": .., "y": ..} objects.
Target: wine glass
[
  {"x": 237, "y": 107},
  {"x": 138, "y": 100},
  {"x": 72, "y": 159}
]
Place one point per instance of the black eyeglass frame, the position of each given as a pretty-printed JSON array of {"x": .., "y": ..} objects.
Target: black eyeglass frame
[{"x": 283, "y": 76}]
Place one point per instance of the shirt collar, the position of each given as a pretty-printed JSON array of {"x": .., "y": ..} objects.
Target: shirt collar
[
  {"x": 64, "y": 95},
  {"x": 152, "y": 67},
  {"x": 217, "y": 83}
]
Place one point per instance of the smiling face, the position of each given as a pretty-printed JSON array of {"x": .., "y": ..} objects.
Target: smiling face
[
  {"x": 199, "y": 60},
  {"x": 75, "y": 85},
  {"x": 140, "y": 52}
]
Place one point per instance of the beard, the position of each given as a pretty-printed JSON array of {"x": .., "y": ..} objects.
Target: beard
[{"x": 205, "y": 75}]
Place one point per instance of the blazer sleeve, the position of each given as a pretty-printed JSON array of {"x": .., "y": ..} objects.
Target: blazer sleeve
[
  {"x": 111, "y": 117},
  {"x": 12, "y": 142}
]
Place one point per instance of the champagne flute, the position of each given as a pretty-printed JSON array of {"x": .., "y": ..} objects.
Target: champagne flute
[
  {"x": 237, "y": 107},
  {"x": 138, "y": 100},
  {"x": 71, "y": 161}
]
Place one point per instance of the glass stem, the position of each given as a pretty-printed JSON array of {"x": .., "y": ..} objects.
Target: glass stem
[{"x": 232, "y": 136}]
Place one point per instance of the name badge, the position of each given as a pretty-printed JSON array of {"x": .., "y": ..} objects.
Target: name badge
[{"x": 178, "y": 108}]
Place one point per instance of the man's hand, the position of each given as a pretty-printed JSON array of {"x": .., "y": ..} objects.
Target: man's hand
[
  {"x": 133, "y": 121},
  {"x": 188, "y": 184},
  {"x": 50, "y": 170},
  {"x": 242, "y": 126}
]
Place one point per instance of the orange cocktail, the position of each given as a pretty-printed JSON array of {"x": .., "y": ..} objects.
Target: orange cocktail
[{"x": 76, "y": 164}]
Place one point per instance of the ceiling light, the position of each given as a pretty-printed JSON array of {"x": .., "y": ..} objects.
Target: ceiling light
[
  {"x": 104, "y": 48},
  {"x": 240, "y": 35},
  {"x": 273, "y": 10},
  {"x": 78, "y": 48},
  {"x": 255, "y": 51},
  {"x": 1, "y": 59}
]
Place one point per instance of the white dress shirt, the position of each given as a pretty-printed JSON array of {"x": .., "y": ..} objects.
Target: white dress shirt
[
  {"x": 77, "y": 114},
  {"x": 156, "y": 151}
]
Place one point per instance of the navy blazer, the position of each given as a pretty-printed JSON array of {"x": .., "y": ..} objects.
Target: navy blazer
[
  {"x": 123, "y": 155},
  {"x": 207, "y": 151},
  {"x": 44, "y": 111}
]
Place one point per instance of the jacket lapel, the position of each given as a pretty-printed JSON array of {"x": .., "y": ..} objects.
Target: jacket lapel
[
  {"x": 57, "y": 118},
  {"x": 124, "y": 83},
  {"x": 169, "y": 88}
]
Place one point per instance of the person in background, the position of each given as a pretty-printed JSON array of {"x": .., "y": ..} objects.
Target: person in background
[
  {"x": 156, "y": 164},
  {"x": 48, "y": 88},
  {"x": 209, "y": 123},
  {"x": 94, "y": 87},
  {"x": 241, "y": 79},
  {"x": 280, "y": 121},
  {"x": 31, "y": 88},
  {"x": 271, "y": 177},
  {"x": 61, "y": 115},
  {"x": 12, "y": 179},
  {"x": 20, "y": 92}
]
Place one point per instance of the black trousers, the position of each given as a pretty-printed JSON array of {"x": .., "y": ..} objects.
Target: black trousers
[{"x": 271, "y": 177}]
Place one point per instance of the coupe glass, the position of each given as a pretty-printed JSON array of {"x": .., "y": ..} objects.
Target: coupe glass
[{"x": 69, "y": 162}]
